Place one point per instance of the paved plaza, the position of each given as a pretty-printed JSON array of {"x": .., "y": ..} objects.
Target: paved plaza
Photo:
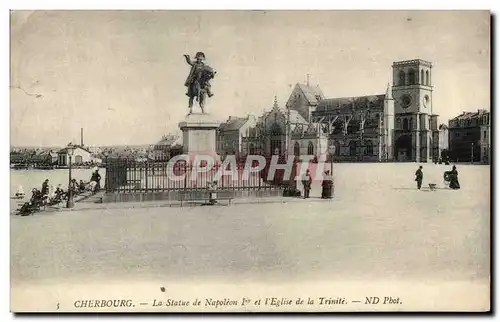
[{"x": 369, "y": 230}]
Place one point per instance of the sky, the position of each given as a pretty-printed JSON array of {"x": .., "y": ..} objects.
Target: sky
[{"x": 120, "y": 74}]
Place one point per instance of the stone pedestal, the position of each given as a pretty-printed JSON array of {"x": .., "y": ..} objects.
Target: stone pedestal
[{"x": 199, "y": 135}]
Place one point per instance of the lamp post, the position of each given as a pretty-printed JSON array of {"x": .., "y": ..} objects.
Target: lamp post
[
  {"x": 70, "y": 203},
  {"x": 105, "y": 153},
  {"x": 331, "y": 151},
  {"x": 472, "y": 153}
]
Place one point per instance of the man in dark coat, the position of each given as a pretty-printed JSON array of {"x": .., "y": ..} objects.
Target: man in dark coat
[
  {"x": 306, "y": 182},
  {"x": 45, "y": 187},
  {"x": 419, "y": 177}
]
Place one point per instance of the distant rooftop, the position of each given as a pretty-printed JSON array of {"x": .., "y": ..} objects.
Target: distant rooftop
[
  {"x": 412, "y": 62},
  {"x": 468, "y": 115},
  {"x": 375, "y": 101}
]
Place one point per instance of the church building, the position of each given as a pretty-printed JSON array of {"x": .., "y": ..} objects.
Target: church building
[{"x": 398, "y": 125}]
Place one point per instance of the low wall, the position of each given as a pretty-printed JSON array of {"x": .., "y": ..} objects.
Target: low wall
[{"x": 174, "y": 195}]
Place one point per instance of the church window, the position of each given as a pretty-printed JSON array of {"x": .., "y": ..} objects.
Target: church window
[
  {"x": 422, "y": 79},
  {"x": 427, "y": 81},
  {"x": 352, "y": 148},
  {"x": 369, "y": 147},
  {"x": 296, "y": 149},
  {"x": 411, "y": 77},
  {"x": 405, "y": 125},
  {"x": 402, "y": 78},
  {"x": 252, "y": 149},
  {"x": 310, "y": 148}
]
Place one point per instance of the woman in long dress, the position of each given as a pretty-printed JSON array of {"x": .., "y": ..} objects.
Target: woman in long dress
[
  {"x": 454, "y": 184},
  {"x": 327, "y": 186}
]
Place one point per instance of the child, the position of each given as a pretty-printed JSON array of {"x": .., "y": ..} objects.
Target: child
[{"x": 20, "y": 192}]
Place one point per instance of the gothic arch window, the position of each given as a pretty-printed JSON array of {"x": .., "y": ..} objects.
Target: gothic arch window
[
  {"x": 296, "y": 149},
  {"x": 422, "y": 79},
  {"x": 276, "y": 138},
  {"x": 252, "y": 149},
  {"x": 369, "y": 147},
  {"x": 401, "y": 78},
  {"x": 427, "y": 80},
  {"x": 412, "y": 77},
  {"x": 405, "y": 125},
  {"x": 352, "y": 148},
  {"x": 398, "y": 124},
  {"x": 276, "y": 129},
  {"x": 310, "y": 148}
]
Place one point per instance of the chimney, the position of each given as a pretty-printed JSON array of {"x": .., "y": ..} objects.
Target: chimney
[{"x": 81, "y": 136}]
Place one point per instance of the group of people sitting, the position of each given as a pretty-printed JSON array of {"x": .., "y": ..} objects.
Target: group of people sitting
[
  {"x": 48, "y": 196},
  {"x": 42, "y": 198}
]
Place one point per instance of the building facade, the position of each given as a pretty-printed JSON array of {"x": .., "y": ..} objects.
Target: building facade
[
  {"x": 396, "y": 126},
  {"x": 399, "y": 125},
  {"x": 470, "y": 137},
  {"x": 443, "y": 142},
  {"x": 415, "y": 121},
  {"x": 357, "y": 127},
  {"x": 232, "y": 136},
  {"x": 162, "y": 150},
  {"x": 80, "y": 156}
]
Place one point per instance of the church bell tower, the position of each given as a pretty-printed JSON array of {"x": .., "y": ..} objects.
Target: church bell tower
[{"x": 412, "y": 93}]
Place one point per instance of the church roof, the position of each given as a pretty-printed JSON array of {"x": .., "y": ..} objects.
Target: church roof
[
  {"x": 295, "y": 117},
  {"x": 469, "y": 115},
  {"x": 233, "y": 123},
  {"x": 65, "y": 150},
  {"x": 347, "y": 102},
  {"x": 313, "y": 94},
  {"x": 308, "y": 129}
]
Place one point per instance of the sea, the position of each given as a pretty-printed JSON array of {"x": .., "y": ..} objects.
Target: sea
[{"x": 33, "y": 178}]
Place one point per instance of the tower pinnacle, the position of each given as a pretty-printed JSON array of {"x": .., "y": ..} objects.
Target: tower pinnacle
[{"x": 275, "y": 105}]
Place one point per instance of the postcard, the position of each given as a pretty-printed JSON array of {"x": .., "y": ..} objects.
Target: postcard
[{"x": 250, "y": 161}]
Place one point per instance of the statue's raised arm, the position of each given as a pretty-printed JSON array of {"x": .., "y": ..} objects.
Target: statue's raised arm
[{"x": 188, "y": 60}]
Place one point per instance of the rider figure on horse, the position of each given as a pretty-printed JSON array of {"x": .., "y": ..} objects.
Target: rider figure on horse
[{"x": 198, "y": 80}]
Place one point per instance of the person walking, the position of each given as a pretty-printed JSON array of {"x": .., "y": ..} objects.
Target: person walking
[
  {"x": 96, "y": 177},
  {"x": 306, "y": 182},
  {"x": 419, "y": 177}
]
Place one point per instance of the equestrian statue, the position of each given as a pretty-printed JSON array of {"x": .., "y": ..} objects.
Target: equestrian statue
[{"x": 198, "y": 81}]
